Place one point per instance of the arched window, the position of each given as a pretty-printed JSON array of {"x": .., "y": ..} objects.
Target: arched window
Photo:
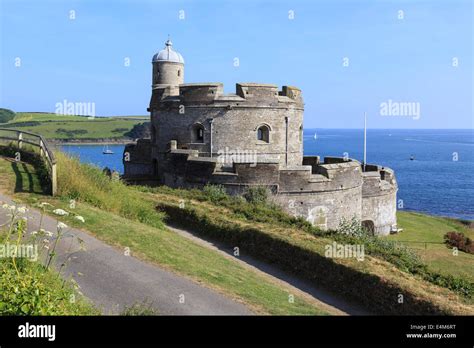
[
  {"x": 197, "y": 133},
  {"x": 263, "y": 133}
]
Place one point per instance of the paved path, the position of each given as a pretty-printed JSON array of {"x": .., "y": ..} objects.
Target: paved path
[
  {"x": 112, "y": 280},
  {"x": 296, "y": 286}
]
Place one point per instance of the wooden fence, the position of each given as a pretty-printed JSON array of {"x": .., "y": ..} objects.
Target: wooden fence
[{"x": 21, "y": 137}]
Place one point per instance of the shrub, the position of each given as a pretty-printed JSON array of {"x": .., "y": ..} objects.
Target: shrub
[
  {"x": 352, "y": 227},
  {"x": 257, "y": 195},
  {"x": 460, "y": 241},
  {"x": 215, "y": 193},
  {"x": 6, "y": 115},
  {"x": 141, "y": 130}
]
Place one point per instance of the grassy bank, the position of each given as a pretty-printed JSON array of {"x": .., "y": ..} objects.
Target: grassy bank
[
  {"x": 126, "y": 217},
  {"x": 123, "y": 217},
  {"x": 374, "y": 282}
]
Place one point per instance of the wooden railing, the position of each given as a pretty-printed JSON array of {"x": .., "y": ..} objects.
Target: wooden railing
[{"x": 21, "y": 137}]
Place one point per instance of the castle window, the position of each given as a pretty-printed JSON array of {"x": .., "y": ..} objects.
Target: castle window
[
  {"x": 198, "y": 133},
  {"x": 179, "y": 72},
  {"x": 301, "y": 133},
  {"x": 263, "y": 134}
]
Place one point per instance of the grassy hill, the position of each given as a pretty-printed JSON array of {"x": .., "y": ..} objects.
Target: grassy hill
[{"x": 66, "y": 127}]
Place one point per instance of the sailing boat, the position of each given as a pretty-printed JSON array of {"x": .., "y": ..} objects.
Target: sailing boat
[{"x": 107, "y": 151}]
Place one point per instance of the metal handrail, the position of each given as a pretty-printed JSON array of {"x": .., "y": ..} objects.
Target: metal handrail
[{"x": 45, "y": 152}]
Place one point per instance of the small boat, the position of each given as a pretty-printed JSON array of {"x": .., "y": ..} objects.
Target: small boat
[
  {"x": 412, "y": 158},
  {"x": 107, "y": 151}
]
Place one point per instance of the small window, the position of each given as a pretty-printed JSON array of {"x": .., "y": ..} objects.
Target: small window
[
  {"x": 301, "y": 133},
  {"x": 263, "y": 134},
  {"x": 179, "y": 72},
  {"x": 198, "y": 133}
]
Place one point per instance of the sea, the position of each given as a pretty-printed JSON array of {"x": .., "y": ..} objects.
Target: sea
[{"x": 434, "y": 168}]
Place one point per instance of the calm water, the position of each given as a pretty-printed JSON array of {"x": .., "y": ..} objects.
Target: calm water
[{"x": 439, "y": 181}]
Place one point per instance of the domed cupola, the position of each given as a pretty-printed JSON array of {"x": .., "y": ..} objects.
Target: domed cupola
[
  {"x": 168, "y": 54},
  {"x": 168, "y": 66}
]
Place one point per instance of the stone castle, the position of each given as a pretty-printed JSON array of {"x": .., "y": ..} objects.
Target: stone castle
[{"x": 252, "y": 138}]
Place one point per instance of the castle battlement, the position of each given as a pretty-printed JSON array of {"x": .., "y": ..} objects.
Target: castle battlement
[{"x": 203, "y": 94}]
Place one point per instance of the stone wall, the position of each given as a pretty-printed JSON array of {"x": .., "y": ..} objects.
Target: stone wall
[
  {"x": 234, "y": 120},
  {"x": 379, "y": 199},
  {"x": 167, "y": 73}
]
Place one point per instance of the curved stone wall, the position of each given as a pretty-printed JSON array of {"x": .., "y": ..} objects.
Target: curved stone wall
[{"x": 167, "y": 73}]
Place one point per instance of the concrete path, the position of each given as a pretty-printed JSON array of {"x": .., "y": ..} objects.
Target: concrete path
[{"x": 112, "y": 280}]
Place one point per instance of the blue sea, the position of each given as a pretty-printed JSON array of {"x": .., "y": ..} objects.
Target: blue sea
[{"x": 438, "y": 181}]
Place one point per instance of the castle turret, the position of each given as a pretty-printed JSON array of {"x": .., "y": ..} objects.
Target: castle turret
[{"x": 168, "y": 67}]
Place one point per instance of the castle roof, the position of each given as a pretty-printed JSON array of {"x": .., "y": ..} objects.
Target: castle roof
[{"x": 168, "y": 54}]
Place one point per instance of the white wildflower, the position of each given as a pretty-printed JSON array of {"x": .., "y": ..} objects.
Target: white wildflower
[
  {"x": 60, "y": 212},
  {"x": 61, "y": 225},
  {"x": 34, "y": 233},
  {"x": 49, "y": 234},
  {"x": 44, "y": 204},
  {"x": 46, "y": 246},
  {"x": 22, "y": 210},
  {"x": 80, "y": 218}
]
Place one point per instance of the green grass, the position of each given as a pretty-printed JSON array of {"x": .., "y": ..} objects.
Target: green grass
[
  {"x": 153, "y": 242},
  {"x": 425, "y": 234},
  {"x": 74, "y": 127},
  {"x": 125, "y": 217}
]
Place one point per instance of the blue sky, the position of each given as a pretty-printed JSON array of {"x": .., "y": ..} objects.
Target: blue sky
[{"x": 402, "y": 60}]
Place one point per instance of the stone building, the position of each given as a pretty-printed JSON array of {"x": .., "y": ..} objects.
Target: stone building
[{"x": 254, "y": 137}]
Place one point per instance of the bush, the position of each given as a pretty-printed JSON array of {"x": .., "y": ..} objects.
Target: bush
[
  {"x": 141, "y": 130},
  {"x": 257, "y": 195},
  {"x": 6, "y": 115},
  {"x": 215, "y": 193},
  {"x": 352, "y": 227},
  {"x": 460, "y": 241}
]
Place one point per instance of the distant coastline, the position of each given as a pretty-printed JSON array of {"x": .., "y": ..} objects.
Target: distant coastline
[{"x": 104, "y": 141}]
